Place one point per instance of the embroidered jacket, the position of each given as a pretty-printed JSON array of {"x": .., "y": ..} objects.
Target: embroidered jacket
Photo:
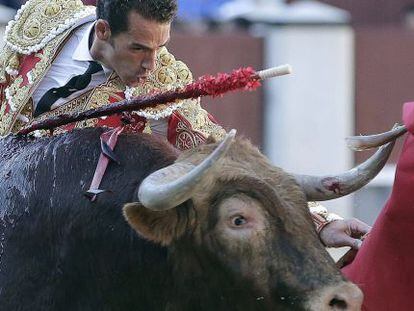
[{"x": 34, "y": 39}]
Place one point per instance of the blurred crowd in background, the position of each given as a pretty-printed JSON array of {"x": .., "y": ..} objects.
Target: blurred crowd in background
[
  {"x": 362, "y": 12},
  {"x": 189, "y": 9},
  {"x": 15, "y": 4}
]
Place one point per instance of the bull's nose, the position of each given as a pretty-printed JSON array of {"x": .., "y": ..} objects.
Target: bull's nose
[{"x": 345, "y": 296}]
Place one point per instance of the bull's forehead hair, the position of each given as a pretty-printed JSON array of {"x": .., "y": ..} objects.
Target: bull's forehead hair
[
  {"x": 241, "y": 150},
  {"x": 243, "y": 160}
]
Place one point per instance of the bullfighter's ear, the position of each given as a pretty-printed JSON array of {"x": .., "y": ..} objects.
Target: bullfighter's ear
[{"x": 161, "y": 227}]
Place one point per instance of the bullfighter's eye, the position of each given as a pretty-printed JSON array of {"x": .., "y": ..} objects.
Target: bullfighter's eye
[{"x": 238, "y": 221}]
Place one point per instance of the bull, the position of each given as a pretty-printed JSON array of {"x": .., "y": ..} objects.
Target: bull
[{"x": 219, "y": 228}]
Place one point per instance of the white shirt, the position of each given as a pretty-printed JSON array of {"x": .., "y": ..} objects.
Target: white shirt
[{"x": 74, "y": 58}]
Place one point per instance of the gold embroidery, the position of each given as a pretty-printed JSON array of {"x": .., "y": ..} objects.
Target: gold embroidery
[
  {"x": 183, "y": 73},
  {"x": 31, "y": 29},
  {"x": 17, "y": 95},
  {"x": 168, "y": 74},
  {"x": 52, "y": 9},
  {"x": 87, "y": 123},
  {"x": 40, "y": 21},
  {"x": 186, "y": 138},
  {"x": 200, "y": 121},
  {"x": 97, "y": 97},
  {"x": 14, "y": 61},
  {"x": 101, "y": 94},
  {"x": 2, "y": 110},
  {"x": 20, "y": 95},
  {"x": 147, "y": 129},
  {"x": 5, "y": 60},
  {"x": 75, "y": 105},
  {"x": 23, "y": 118},
  {"x": 165, "y": 58},
  {"x": 69, "y": 107},
  {"x": 115, "y": 85},
  {"x": 5, "y": 121}
]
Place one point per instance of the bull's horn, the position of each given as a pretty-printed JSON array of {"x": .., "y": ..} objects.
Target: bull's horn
[
  {"x": 174, "y": 184},
  {"x": 321, "y": 188},
  {"x": 359, "y": 143}
]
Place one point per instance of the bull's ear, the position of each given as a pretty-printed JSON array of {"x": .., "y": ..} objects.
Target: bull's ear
[{"x": 158, "y": 226}]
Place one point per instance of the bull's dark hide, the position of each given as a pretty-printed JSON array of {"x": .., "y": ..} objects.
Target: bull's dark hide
[{"x": 59, "y": 251}]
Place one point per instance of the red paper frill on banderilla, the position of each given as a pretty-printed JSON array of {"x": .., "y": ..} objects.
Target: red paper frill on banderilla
[{"x": 243, "y": 78}]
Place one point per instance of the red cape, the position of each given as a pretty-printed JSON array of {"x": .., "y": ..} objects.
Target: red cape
[{"x": 384, "y": 266}]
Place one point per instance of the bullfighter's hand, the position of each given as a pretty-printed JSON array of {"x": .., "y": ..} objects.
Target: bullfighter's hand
[{"x": 345, "y": 232}]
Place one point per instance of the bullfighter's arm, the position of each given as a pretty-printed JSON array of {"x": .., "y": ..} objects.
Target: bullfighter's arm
[
  {"x": 320, "y": 215},
  {"x": 334, "y": 231}
]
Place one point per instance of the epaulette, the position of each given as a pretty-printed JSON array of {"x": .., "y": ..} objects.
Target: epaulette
[
  {"x": 38, "y": 22},
  {"x": 169, "y": 74}
]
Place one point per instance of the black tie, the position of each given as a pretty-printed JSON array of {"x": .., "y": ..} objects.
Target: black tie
[{"x": 75, "y": 84}]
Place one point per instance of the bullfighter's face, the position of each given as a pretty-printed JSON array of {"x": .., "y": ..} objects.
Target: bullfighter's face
[{"x": 132, "y": 54}]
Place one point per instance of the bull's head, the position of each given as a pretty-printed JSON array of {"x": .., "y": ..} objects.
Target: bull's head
[{"x": 250, "y": 220}]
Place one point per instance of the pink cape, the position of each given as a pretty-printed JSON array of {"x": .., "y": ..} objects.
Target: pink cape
[{"x": 384, "y": 267}]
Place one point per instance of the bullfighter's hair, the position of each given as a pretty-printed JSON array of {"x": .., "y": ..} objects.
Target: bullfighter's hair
[{"x": 115, "y": 11}]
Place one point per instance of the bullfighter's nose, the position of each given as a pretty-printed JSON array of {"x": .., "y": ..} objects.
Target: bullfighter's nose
[{"x": 345, "y": 296}]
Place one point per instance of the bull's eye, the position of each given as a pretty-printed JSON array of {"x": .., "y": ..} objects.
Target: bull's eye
[{"x": 238, "y": 221}]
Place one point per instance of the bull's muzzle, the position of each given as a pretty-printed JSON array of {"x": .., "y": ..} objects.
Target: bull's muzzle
[{"x": 345, "y": 297}]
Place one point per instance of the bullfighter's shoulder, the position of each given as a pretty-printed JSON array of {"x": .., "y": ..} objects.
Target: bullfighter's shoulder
[
  {"x": 38, "y": 22},
  {"x": 169, "y": 74}
]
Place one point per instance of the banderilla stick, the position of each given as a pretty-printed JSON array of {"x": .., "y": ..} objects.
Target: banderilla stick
[{"x": 244, "y": 78}]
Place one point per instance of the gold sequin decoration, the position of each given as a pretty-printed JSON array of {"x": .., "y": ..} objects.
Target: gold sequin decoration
[
  {"x": 5, "y": 56},
  {"x": 168, "y": 74},
  {"x": 200, "y": 121},
  {"x": 52, "y": 10},
  {"x": 31, "y": 30},
  {"x": 5, "y": 120},
  {"x": 183, "y": 73},
  {"x": 40, "y": 19},
  {"x": 166, "y": 58},
  {"x": 147, "y": 129},
  {"x": 14, "y": 62}
]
